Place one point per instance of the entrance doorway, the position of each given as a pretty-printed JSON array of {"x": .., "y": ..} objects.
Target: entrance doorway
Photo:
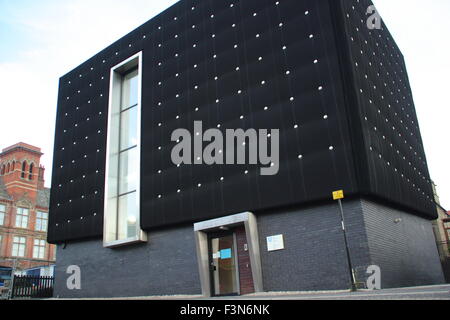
[
  {"x": 228, "y": 255},
  {"x": 223, "y": 264}
]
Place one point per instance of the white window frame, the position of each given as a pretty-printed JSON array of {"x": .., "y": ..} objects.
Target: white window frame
[
  {"x": 110, "y": 219},
  {"x": 18, "y": 243},
  {"x": 40, "y": 221},
  {"x": 20, "y": 216},
  {"x": 39, "y": 249},
  {"x": 2, "y": 214}
]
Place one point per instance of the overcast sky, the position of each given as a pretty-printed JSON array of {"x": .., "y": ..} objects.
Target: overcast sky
[{"x": 42, "y": 40}]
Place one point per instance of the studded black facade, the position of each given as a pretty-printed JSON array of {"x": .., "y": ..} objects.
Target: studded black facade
[{"x": 338, "y": 92}]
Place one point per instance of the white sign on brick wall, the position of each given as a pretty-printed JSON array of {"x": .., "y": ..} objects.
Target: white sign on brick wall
[{"x": 275, "y": 243}]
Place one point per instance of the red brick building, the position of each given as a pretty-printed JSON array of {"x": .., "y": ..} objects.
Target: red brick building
[{"x": 24, "y": 203}]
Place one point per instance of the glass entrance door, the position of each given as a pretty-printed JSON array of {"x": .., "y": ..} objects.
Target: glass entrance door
[{"x": 223, "y": 265}]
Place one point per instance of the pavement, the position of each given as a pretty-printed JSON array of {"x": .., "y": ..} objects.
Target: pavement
[{"x": 438, "y": 292}]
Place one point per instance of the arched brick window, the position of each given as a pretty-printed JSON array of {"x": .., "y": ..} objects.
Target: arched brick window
[
  {"x": 24, "y": 169},
  {"x": 30, "y": 175}
]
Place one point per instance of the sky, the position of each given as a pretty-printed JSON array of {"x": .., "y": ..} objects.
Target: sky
[{"x": 40, "y": 41}]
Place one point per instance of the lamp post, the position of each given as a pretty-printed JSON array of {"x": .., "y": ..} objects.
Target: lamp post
[{"x": 339, "y": 195}]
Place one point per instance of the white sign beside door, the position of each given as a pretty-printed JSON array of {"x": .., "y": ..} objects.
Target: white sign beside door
[{"x": 275, "y": 243}]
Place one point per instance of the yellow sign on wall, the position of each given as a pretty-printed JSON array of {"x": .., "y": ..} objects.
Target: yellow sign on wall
[{"x": 337, "y": 195}]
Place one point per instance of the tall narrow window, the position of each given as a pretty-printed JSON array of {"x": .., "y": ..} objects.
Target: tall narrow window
[
  {"x": 18, "y": 248},
  {"x": 41, "y": 221},
  {"x": 2, "y": 214},
  {"x": 123, "y": 155},
  {"x": 22, "y": 218},
  {"x": 39, "y": 249},
  {"x": 24, "y": 168},
  {"x": 30, "y": 175}
]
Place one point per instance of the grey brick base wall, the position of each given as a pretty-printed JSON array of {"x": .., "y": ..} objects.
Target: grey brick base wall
[
  {"x": 166, "y": 265},
  {"x": 314, "y": 257},
  {"x": 405, "y": 250}
]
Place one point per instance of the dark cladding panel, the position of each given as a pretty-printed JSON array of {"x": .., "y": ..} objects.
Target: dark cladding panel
[
  {"x": 392, "y": 145},
  {"x": 277, "y": 67},
  {"x": 255, "y": 64},
  {"x": 77, "y": 195}
]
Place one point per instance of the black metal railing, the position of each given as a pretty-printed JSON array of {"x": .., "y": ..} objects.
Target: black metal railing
[{"x": 32, "y": 287}]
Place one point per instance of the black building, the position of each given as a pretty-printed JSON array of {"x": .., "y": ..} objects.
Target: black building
[{"x": 338, "y": 92}]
